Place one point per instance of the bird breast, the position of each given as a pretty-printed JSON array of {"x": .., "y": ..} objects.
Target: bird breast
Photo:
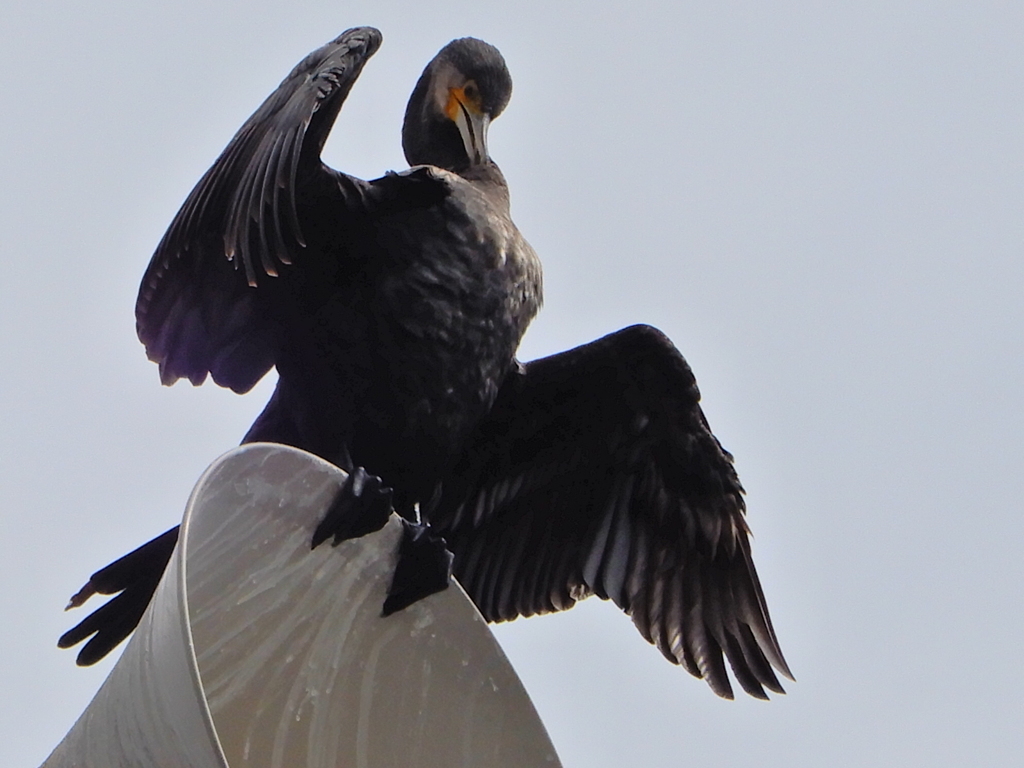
[{"x": 461, "y": 287}]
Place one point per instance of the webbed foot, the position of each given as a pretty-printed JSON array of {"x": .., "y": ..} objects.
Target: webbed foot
[
  {"x": 424, "y": 567},
  {"x": 362, "y": 506}
]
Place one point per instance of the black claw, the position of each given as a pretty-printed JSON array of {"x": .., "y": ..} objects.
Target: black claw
[
  {"x": 424, "y": 567},
  {"x": 362, "y": 506}
]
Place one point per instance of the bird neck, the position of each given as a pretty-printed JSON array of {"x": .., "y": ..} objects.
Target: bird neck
[
  {"x": 488, "y": 176},
  {"x": 428, "y": 137}
]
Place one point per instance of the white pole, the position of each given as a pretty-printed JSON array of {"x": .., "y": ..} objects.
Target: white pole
[{"x": 257, "y": 651}]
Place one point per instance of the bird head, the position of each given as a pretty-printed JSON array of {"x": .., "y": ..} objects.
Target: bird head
[{"x": 460, "y": 92}]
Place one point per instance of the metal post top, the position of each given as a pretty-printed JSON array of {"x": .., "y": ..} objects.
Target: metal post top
[{"x": 257, "y": 651}]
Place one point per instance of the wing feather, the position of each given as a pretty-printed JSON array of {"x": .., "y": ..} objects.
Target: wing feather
[
  {"x": 195, "y": 312},
  {"x": 596, "y": 473}
]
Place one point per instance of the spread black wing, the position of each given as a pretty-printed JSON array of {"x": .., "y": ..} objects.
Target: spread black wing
[
  {"x": 197, "y": 310},
  {"x": 596, "y": 473}
]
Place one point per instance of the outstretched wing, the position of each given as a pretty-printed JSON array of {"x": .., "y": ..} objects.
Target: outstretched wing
[
  {"x": 197, "y": 310},
  {"x": 596, "y": 473}
]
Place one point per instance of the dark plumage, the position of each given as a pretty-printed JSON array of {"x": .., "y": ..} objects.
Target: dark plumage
[{"x": 392, "y": 310}]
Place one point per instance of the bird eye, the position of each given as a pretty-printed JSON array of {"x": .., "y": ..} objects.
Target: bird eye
[{"x": 472, "y": 92}]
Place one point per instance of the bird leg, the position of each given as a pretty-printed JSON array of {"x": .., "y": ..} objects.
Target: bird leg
[
  {"x": 361, "y": 506},
  {"x": 424, "y": 567}
]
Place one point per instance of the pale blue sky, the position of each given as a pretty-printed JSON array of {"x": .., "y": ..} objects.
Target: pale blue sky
[{"x": 821, "y": 205}]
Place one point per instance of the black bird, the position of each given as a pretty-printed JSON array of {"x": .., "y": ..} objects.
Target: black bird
[{"x": 392, "y": 310}]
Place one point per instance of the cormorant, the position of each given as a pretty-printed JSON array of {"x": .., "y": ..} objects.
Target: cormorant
[{"x": 392, "y": 310}]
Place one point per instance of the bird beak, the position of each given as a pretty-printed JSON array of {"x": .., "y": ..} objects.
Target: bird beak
[{"x": 472, "y": 123}]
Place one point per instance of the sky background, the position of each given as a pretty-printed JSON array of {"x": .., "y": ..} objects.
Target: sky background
[{"x": 820, "y": 203}]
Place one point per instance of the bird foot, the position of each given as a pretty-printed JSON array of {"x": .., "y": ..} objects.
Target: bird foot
[
  {"x": 362, "y": 506},
  {"x": 424, "y": 567}
]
